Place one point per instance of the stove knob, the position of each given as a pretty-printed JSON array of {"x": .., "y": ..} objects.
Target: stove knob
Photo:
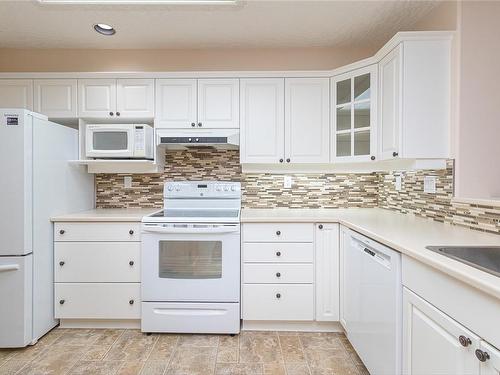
[
  {"x": 190, "y": 140},
  {"x": 233, "y": 188},
  {"x": 177, "y": 188},
  {"x": 170, "y": 188},
  {"x": 226, "y": 188}
]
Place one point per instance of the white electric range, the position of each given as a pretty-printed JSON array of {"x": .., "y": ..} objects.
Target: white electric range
[{"x": 191, "y": 260}]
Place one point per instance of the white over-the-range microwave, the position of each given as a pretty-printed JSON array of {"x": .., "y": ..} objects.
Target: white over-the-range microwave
[{"x": 122, "y": 141}]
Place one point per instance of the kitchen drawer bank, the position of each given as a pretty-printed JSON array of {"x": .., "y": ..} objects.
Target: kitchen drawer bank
[
  {"x": 288, "y": 281},
  {"x": 97, "y": 269}
]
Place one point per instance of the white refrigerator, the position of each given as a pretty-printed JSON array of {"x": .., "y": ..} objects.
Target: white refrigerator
[{"x": 36, "y": 182}]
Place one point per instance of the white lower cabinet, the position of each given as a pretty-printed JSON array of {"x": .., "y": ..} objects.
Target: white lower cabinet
[
  {"x": 433, "y": 343},
  {"x": 327, "y": 272},
  {"x": 97, "y": 274},
  {"x": 97, "y": 300},
  {"x": 491, "y": 364},
  {"x": 278, "y": 302}
]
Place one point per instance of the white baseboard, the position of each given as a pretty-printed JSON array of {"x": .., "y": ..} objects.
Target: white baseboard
[
  {"x": 100, "y": 323},
  {"x": 276, "y": 325}
]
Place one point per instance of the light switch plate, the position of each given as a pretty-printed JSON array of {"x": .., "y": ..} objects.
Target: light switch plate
[
  {"x": 430, "y": 184},
  {"x": 287, "y": 182},
  {"x": 398, "y": 183},
  {"x": 127, "y": 182}
]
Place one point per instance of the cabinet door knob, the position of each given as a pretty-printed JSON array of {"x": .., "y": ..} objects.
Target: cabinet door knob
[
  {"x": 320, "y": 226},
  {"x": 372, "y": 157},
  {"x": 482, "y": 356},
  {"x": 278, "y": 253},
  {"x": 464, "y": 341},
  {"x": 278, "y": 233},
  {"x": 288, "y": 160},
  {"x": 278, "y": 274},
  {"x": 61, "y": 263},
  {"x": 131, "y": 263},
  {"x": 281, "y": 160},
  {"x": 131, "y": 232},
  {"x": 193, "y": 124},
  {"x": 200, "y": 124},
  {"x": 111, "y": 113},
  {"x": 131, "y": 302},
  {"x": 61, "y": 301},
  {"x": 395, "y": 154},
  {"x": 62, "y": 231},
  {"x": 118, "y": 113},
  {"x": 278, "y": 295}
]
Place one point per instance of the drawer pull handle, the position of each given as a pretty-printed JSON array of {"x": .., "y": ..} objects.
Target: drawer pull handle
[
  {"x": 278, "y": 233},
  {"x": 61, "y": 263},
  {"x": 482, "y": 356},
  {"x": 278, "y": 274},
  {"x": 131, "y": 232},
  {"x": 464, "y": 341},
  {"x": 320, "y": 226},
  {"x": 131, "y": 263},
  {"x": 131, "y": 302},
  {"x": 61, "y": 302},
  {"x": 278, "y": 253},
  {"x": 278, "y": 295},
  {"x": 62, "y": 231}
]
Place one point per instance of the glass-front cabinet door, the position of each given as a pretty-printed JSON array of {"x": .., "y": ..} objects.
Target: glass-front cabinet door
[{"x": 354, "y": 117}]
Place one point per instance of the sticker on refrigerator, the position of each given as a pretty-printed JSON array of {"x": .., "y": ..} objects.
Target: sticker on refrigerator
[{"x": 12, "y": 119}]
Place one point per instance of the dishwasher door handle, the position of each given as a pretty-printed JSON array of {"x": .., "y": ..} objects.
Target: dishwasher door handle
[{"x": 368, "y": 251}]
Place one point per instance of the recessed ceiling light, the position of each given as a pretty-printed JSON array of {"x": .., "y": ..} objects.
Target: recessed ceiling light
[{"x": 104, "y": 29}]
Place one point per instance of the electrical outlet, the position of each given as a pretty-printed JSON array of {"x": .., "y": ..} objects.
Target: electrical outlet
[
  {"x": 398, "y": 183},
  {"x": 127, "y": 182},
  {"x": 287, "y": 182},
  {"x": 430, "y": 184}
]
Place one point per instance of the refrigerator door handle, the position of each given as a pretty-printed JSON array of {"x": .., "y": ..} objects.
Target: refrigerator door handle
[{"x": 9, "y": 267}]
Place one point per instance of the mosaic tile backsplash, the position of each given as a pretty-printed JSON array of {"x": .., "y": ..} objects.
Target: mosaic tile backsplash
[
  {"x": 439, "y": 206},
  {"x": 263, "y": 190}
]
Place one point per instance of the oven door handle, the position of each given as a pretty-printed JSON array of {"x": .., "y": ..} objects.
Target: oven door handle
[{"x": 212, "y": 230}]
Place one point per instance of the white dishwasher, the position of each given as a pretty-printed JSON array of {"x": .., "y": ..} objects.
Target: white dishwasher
[{"x": 372, "y": 298}]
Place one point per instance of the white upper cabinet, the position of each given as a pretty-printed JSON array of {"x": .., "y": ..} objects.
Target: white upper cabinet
[
  {"x": 97, "y": 98},
  {"x": 353, "y": 115},
  {"x": 262, "y": 124},
  {"x": 218, "y": 103},
  {"x": 56, "y": 98},
  {"x": 390, "y": 104},
  {"x": 135, "y": 98},
  {"x": 192, "y": 103},
  {"x": 414, "y": 100},
  {"x": 176, "y": 103},
  {"x": 111, "y": 98},
  {"x": 307, "y": 123},
  {"x": 16, "y": 93},
  {"x": 327, "y": 272},
  {"x": 433, "y": 343}
]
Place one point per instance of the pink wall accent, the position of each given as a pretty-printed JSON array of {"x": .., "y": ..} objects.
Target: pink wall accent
[{"x": 478, "y": 148}]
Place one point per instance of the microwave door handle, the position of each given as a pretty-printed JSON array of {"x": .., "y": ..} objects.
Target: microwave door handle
[{"x": 212, "y": 230}]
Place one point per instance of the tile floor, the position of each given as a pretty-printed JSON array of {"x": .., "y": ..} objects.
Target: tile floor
[{"x": 129, "y": 352}]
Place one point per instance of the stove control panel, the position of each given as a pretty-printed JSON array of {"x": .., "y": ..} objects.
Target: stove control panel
[{"x": 202, "y": 189}]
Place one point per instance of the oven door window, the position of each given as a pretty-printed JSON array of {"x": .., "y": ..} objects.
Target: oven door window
[
  {"x": 190, "y": 260},
  {"x": 110, "y": 140}
]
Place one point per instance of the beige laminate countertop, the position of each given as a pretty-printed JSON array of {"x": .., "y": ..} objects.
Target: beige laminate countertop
[
  {"x": 405, "y": 233},
  {"x": 107, "y": 214}
]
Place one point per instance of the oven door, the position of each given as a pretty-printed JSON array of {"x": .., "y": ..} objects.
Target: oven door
[
  {"x": 109, "y": 141},
  {"x": 190, "y": 262}
]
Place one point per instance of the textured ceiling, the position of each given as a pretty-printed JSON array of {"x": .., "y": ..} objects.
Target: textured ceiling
[{"x": 251, "y": 23}]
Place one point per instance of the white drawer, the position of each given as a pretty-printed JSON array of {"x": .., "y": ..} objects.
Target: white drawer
[
  {"x": 261, "y": 302},
  {"x": 281, "y": 273},
  {"x": 102, "y": 231},
  {"x": 98, "y": 301},
  {"x": 278, "y": 232},
  {"x": 97, "y": 262},
  {"x": 278, "y": 252}
]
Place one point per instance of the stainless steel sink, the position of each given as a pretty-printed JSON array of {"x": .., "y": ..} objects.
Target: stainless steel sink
[{"x": 485, "y": 258}]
